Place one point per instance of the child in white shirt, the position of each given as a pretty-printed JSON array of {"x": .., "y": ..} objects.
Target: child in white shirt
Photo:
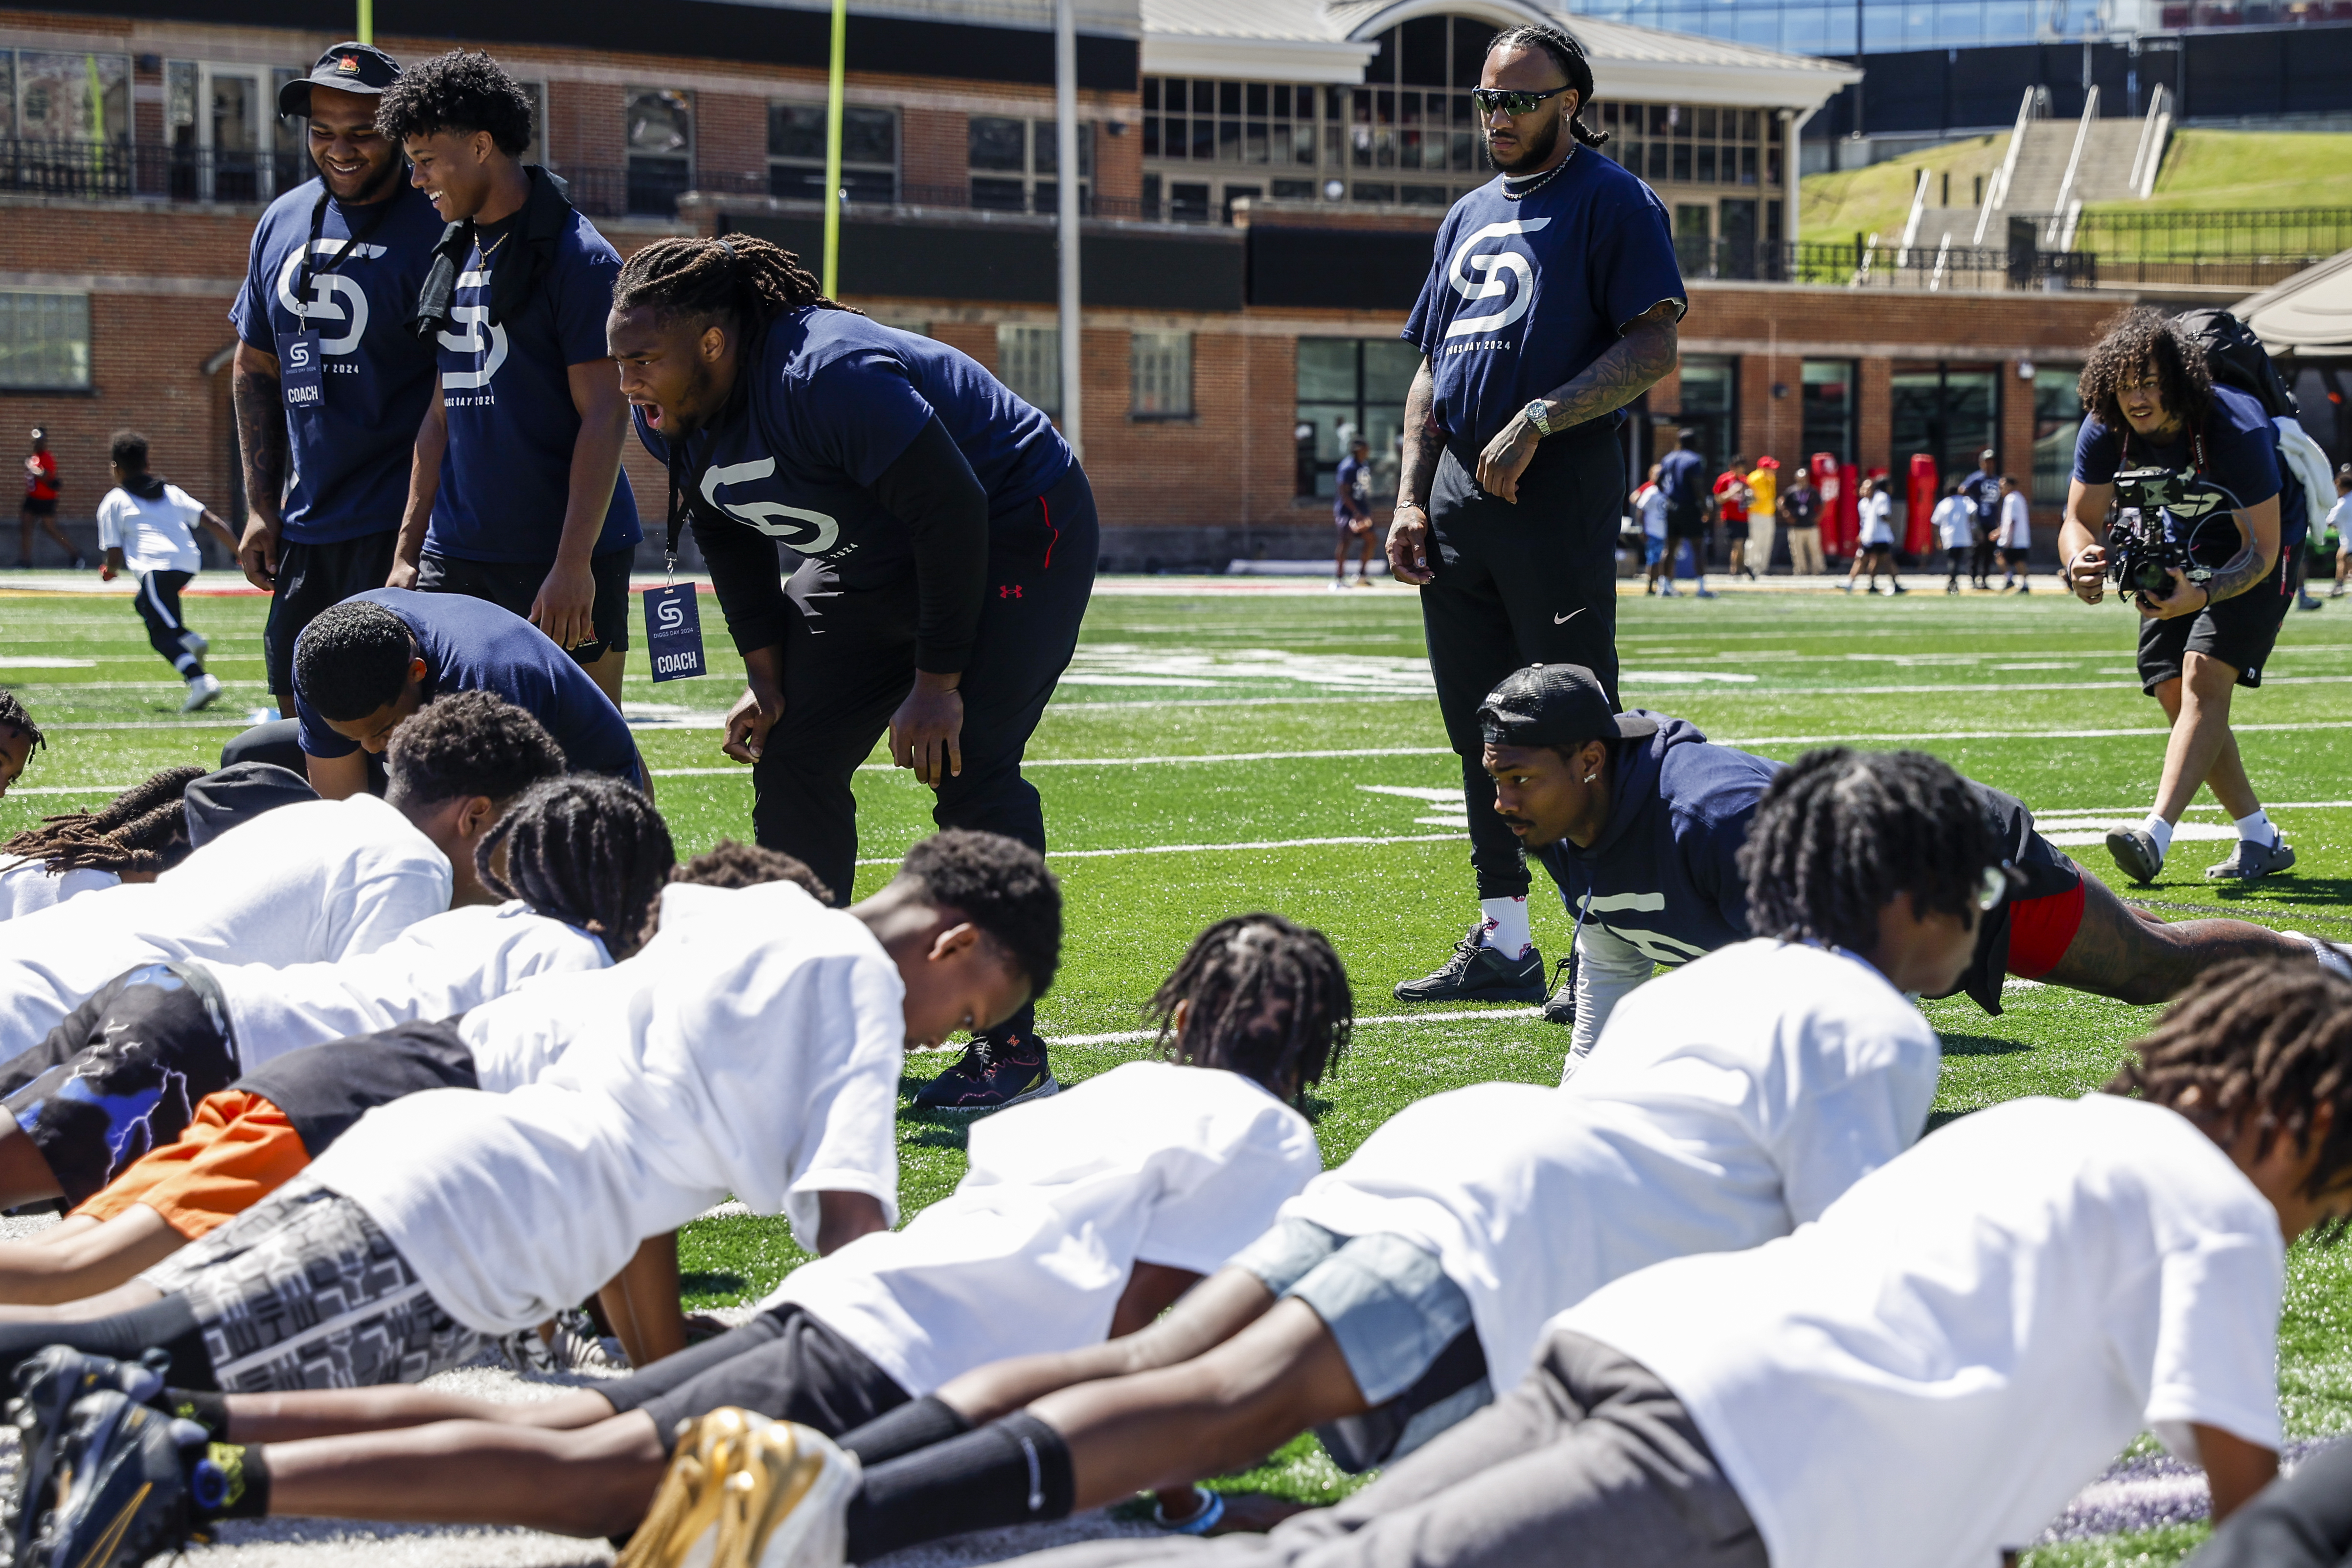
[
  {"x": 2015, "y": 538},
  {"x": 1875, "y": 542},
  {"x": 1955, "y": 527},
  {"x": 146, "y": 528}
]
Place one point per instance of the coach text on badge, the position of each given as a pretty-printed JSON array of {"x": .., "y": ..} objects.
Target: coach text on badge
[
  {"x": 302, "y": 373},
  {"x": 674, "y": 631}
]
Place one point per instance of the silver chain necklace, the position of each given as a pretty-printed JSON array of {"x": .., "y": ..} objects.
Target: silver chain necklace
[{"x": 1539, "y": 182}]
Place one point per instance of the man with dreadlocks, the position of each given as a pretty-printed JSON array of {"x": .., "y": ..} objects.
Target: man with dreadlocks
[
  {"x": 1551, "y": 305},
  {"x": 19, "y": 738},
  {"x": 1641, "y": 820},
  {"x": 140, "y": 832},
  {"x": 1391, "y": 1297},
  {"x": 2202, "y": 462},
  {"x": 945, "y": 538}
]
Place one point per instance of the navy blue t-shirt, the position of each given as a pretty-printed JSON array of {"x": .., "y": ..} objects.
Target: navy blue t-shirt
[
  {"x": 507, "y": 475},
  {"x": 1682, "y": 475},
  {"x": 348, "y": 456},
  {"x": 1352, "y": 483},
  {"x": 470, "y": 644},
  {"x": 2232, "y": 463},
  {"x": 1983, "y": 491},
  {"x": 1526, "y": 294}
]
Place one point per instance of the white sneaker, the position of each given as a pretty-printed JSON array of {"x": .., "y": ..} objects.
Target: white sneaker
[
  {"x": 201, "y": 693},
  {"x": 1339, "y": 585}
]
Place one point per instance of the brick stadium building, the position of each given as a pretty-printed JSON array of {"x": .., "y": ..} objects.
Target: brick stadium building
[{"x": 1262, "y": 178}]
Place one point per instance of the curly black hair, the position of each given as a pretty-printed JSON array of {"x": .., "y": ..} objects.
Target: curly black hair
[
  {"x": 749, "y": 282},
  {"x": 586, "y": 850},
  {"x": 1000, "y": 885},
  {"x": 2268, "y": 1038},
  {"x": 1568, "y": 55},
  {"x": 353, "y": 659},
  {"x": 468, "y": 743},
  {"x": 2129, "y": 343},
  {"x": 1269, "y": 1000},
  {"x": 731, "y": 864},
  {"x": 1840, "y": 832},
  {"x": 13, "y": 717},
  {"x": 462, "y": 91},
  {"x": 145, "y": 829}
]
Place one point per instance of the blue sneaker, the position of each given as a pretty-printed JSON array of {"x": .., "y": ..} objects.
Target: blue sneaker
[
  {"x": 997, "y": 1069},
  {"x": 49, "y": 1385},
  {"x": 121, "y": 1490}
]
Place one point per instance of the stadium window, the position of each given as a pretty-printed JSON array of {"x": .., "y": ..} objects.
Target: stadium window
[
  {"x": 1161, "y": 370},
  {"x": 2057, "y": 414},
  {"x": 1014, "y": 164},
  {"x": 1830, "y": 394},
  {"x": 1947, "y": 411},
  {"x": 1710, "y": 402},
  {"x": 869, "y": 152},
  {"x": 43, "y": 341},
  {"x": 1029, "y": 361},
  {"x": 659, "y": 132},
  {"x": 1350, "y": 387}
]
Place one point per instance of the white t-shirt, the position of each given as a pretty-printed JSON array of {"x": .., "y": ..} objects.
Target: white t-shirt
[
  {"x": 154, "y": 536},
  {"x": 1651, "y": 501},
  {"x": 1971, "y": 1335},
  {"x": 307, "y": 884},
  {"x": 1956, "y": 522},
  {"x": 27, "y": 886},
  {"x": 1727, "y": 1101},
  {"x": 2339, "y": 518},
  {"x": 2016, "y": 522},
  {"x": 762, "y": 1064},
  {"x": 437, "y": 968},
  {"x": 1877, "y": 515},
  {"x": 514, "y": 1039},
  {"x": 1148, "y": 1163}
]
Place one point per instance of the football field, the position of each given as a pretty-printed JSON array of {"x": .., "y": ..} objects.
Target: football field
[{"x": 1221, "y": 746}]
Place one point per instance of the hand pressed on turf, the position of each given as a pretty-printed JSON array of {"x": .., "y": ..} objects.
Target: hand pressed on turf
[{"x": 927, "y": 732}]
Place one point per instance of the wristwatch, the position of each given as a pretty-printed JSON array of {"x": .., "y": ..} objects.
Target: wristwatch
[{"x": 1536, "y": 414}]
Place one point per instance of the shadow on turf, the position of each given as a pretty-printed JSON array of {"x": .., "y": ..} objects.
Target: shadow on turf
[
  {"x": 2286, "y": 892},
  {"x": 1981, "y": 1045},
  {"x": 712, "y": 1282}
]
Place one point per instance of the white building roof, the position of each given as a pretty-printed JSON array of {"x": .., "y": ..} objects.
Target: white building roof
[{"x": 1332, "y": 41}]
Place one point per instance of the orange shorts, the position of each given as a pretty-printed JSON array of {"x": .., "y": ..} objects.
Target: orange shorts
[{"x": 238, "y": 1149}]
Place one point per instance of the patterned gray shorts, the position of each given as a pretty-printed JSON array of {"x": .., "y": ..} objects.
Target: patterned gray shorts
[{"x": 302, "y": 1291}]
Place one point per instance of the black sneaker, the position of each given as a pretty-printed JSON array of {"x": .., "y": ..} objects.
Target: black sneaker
[
  {"x": 1479, "y": 974},
  {"x": 49, "y": 1385},
  {"x": 995, "y": 1070},
  {"x": 1561, "y": 1007},
  {"x": 121, "y": 1490}
]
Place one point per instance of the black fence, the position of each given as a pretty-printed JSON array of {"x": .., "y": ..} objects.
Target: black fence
[
  {"x": 1851, "y": 264},
  {"x": 155, "y": 171}
]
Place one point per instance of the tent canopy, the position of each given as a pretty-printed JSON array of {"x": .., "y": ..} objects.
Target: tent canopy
[{"x": 2309, "y": 315}]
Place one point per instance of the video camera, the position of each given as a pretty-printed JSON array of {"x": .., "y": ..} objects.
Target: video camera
[{"x": 2141, "y": 556}]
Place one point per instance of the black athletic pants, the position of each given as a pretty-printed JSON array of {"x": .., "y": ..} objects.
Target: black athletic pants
[
  {"x": 159, "y": 606},
  {"x": 849, "y": 661},
  {"x": 2301, "y": 1522},
  {"x": 1531, "y": 582}
]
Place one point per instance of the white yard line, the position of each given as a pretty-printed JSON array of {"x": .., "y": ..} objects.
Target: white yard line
[{"x": 1206, "y": 849}]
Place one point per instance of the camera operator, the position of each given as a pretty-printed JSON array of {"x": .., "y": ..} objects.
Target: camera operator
[{"x": 2201, "y": 463}]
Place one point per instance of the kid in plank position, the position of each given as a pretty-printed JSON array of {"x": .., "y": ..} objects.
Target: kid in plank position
[
  {"x": 1091, "y": 1211},
  {"x": 317, "y": 882},
  {"x": 140, "y": 832},
  {"x": 1928, "y": 1372},
  {"x": 321, "y": 881},
  {"x": 584, "y": 858}
]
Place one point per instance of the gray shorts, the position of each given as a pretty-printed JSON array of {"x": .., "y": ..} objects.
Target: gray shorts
[
  {"x": 1402, "y": 1325},
  {"x": 302, "y": 1291}
]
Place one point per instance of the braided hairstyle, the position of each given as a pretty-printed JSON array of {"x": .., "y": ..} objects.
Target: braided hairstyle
[
  {"x": 746, "y": 281},
  {"x": 2131, "y": 341},
  {"x": 142, "y": 830},
  {"x": 586, "y": 850},
  {"x": 2267, "y": 1038},
  {"x": 731, "y": 864},
  {"x": 1568, "y": 55},
  {"x": 1269, "y": 1000},
  {"x": 13, "y": 717},
  {"x": 1840, "y": 832}
]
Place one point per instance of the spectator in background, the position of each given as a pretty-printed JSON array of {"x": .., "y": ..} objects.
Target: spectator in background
[
  {"x": 1650, "y": 506},
  {"x": 1351, "y": 515},
  {"x": 40, "y": 508},
  {"x": 1800, "y": 513},
  {"x": 1876, "y": 544},
  {"x": 1956, "y": 528},
  {"x": 2016, "y": 537},
  {"x": 1983, "y": 491},
  {"x": 147, "y": 528},
  {"x": 1732, "y": 500},
  {"x": 2339, "y": 527},
  {"x": 1682, "y": 476},
  {"x": 1764, "y": 494}
]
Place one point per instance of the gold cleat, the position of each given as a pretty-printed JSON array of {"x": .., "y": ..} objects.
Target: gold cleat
[{"x": 744, "y": 1491}]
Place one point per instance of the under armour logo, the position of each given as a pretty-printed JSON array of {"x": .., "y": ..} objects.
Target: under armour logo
[{"x": 1013, "y": 591}]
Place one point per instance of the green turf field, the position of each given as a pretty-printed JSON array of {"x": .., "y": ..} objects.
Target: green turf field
[{"x": 1222, "y": 746}]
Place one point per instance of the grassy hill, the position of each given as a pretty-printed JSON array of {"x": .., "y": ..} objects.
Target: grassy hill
[{"x": 1833, "y": 207}]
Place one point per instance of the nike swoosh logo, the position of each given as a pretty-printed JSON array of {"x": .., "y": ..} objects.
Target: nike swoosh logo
[{"x": 1562, "y": 619}]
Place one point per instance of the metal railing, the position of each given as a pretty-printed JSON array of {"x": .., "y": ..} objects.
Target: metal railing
[
  {"x": 155, "y": 171},
  {"x": 1849, "y": 266}
]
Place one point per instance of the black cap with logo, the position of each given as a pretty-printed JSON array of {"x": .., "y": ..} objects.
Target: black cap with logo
[
  {"x": 346, "y": 67},
  {"x": 1555, "y": 705}
]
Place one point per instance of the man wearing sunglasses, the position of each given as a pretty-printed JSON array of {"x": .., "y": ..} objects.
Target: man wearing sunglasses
[
  {"x": 1551, "y": 305},
  {"x": 1639, "y": 820}
]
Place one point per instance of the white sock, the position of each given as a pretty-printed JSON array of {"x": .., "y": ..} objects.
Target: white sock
[
  {"x": 1505, "y": 927},
  {"x": 2257, "y": 827},
  {"x": 2159, "y": 829}
]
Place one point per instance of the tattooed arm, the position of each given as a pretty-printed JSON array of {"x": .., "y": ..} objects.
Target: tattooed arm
[
  {"x": 2258, "y": 535},
  {"x": 1409, "y": 523},
  {"x": 1629, "y": 367},
  {"x": 261, "y": 439}
]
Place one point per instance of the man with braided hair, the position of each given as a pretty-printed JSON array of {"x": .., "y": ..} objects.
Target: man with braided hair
[
  {"x": 140, "y": 832},
  {"x": 19, "y": 738},
  {"x": 1641, "y": 820},
  {"x": 944, "y": 542}
]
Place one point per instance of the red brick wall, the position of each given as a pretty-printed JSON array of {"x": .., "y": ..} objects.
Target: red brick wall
[
  {"x": 934, "y": 147},
  {"x": 730, "y": 135}
]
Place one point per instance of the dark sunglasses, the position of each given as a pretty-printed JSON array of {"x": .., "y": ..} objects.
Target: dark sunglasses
[{"x": 1491, "y": 99}]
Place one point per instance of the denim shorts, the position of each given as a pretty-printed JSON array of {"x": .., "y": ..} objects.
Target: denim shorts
[{"x": 1403, "y": 1326}]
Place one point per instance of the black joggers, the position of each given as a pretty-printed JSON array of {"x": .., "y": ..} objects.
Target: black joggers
[{"x": 1518, "y": 583}]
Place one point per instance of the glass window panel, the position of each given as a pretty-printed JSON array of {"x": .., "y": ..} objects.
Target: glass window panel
[
  {"x": 1425, "y": 195},
  {"x": 1389, "y": 364},
  {"x": 1229, "y": 98},
  {"x": 1466, "y": 149},
  {"x": 1229, "y": 140},
  {"x": 7, "y": 92},
  {"x": 1409, "y": 150},
  {"x": 2057, "y": 414},
  {"x": 869, "y": 135},
  {"x": 1282, "y": 101},
  {"x": 1704, "y": 124},
  {"x": 1029, "y": 361},
  {"x": 1205, "y": 97},
  {"x": 1152, "y": 136},
  {"x": 43, "y": 341},
  {"x": 796, "y": 131},
  {"x": 1470, "y": 40},
  {"x": 1707, "y": 381},
  {"x": 1682, "y": 166},
  {"x": 1303, "y": 145},
  {"x": 997, "y": 141},
  {"x": 1422, "y": 51},
  {"x": 1408, "y": 109},
  {"x": 1828, "y": 387},
  {"x": 1747, "y": 165},
  {"x": 998, "y": 194},
  {"x": 1151, "y": 92},
  {"x": 179, "y": 103},
  {"x": 1364, "y": 192},
  {"x": 75, "y": 98},
  {"x": 1293, "y": 190},
  {"x": 1254, "y": 144},
  {"x": 1705, "y": 173},
  {"x": 1188, "y": 203},
  {"x": 1162, "y": 365},
  {"x": 1658, "y": 155},
  {"x": 1254, "y": 99},
  {"x": 660, "y": 121},
  {"x": 1327, "y": 369},
  {"x": 1204, "y": 138}
]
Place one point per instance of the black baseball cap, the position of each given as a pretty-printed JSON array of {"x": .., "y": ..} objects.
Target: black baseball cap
[
  {"x": 1555, "y": 705},
  {"x": 237, "y": 794},
  {"x": 346, "y": 67}
]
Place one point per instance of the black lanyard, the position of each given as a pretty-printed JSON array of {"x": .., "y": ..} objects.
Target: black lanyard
[{"x": 310, "y": 270}]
